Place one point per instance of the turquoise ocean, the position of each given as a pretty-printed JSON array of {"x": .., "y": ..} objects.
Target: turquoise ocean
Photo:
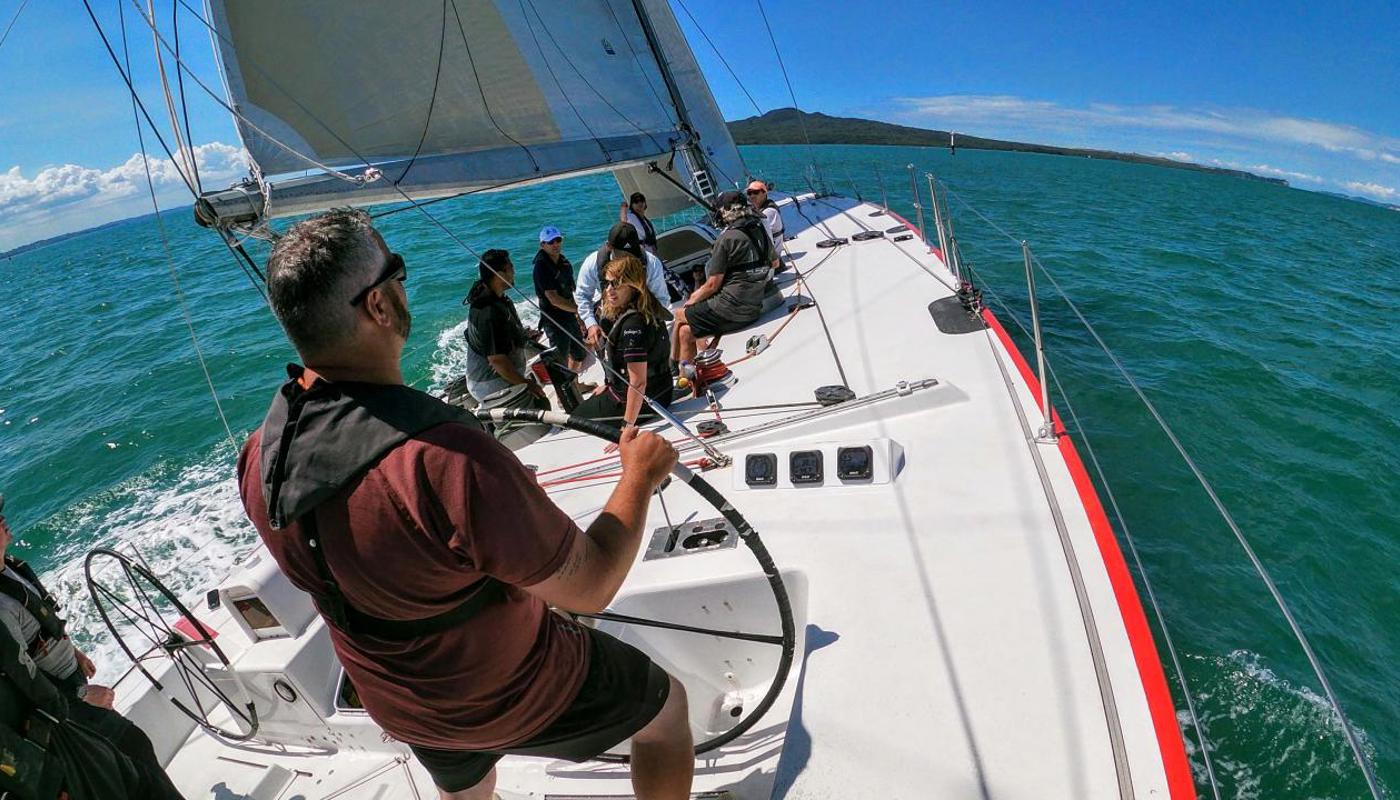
[{"x": 1261, "y": 320}]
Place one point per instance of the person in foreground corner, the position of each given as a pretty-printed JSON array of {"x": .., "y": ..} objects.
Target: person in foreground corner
[{"x": 432, "y": 553}]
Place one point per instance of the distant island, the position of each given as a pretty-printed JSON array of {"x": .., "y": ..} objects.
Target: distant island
[{"x": 784, "y": 126}]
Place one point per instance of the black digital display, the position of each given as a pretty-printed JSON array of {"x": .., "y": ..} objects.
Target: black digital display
[
  {"x": 855, "y": 463},
  {"x": 761, "y": 469},
  {"x": 805, "y": 466}
]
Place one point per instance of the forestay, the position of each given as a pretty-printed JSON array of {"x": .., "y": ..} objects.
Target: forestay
[
  {"x": 726, "y": 166},
  {"x": 444, "y": 96}
]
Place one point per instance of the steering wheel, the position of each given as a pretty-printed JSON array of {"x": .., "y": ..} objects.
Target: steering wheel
[
  {"x": 146, "y": 610},
  {"x": 787, "y": 640}
]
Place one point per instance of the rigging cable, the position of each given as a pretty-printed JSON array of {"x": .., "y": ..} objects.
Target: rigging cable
[
  {"x": 185, "y": 162},
  {"x": 722, "y": 60},
  {"x": 486, "y": 104},
  {"x": 180, "y": 83},
  {"x": 567, "y": 99},
  {"x": 432, "y": 99},
  {"x": 1347, "y": 730},
  {"x": 13, "y": 20},
  {"x": 811, "y": 153},
  {"x": 165, "y": 241}
]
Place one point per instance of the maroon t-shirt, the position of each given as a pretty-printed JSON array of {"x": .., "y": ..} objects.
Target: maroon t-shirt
[{"x": 407, "y": 541}]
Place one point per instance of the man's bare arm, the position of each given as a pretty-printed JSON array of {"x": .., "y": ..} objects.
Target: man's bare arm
[{"x": 600, "y": 557}]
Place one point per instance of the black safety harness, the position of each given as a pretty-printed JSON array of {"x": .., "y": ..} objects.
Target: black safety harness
[
  {"x": 36, "y": 600},
  {"x": 390, "y": 416}
]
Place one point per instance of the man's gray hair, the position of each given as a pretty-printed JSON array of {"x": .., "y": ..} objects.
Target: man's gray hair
[{"x": 314, "y": 271}]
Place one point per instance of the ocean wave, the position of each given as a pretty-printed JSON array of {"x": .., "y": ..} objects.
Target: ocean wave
[
  {"x": 189, "y": 529},
  {"x": 1268, "y": 737}
]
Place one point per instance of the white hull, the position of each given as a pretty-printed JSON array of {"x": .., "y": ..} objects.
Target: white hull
[{"x": 966, "y": 627}]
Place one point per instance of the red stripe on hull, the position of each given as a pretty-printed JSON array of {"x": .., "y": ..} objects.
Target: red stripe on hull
[{"x": 1154, "y": 681}]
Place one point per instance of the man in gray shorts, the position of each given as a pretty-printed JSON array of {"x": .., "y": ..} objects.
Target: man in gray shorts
[{"x": 731, "y": 297}]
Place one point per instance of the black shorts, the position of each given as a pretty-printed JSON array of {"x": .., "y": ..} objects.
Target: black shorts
[
  {"x": 622, "y": 692},
  {"x": 705, "y": 321},
  {"x": 564, "y": 335}
]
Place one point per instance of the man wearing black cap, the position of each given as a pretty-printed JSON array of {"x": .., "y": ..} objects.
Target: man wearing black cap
[
  {"x": 735, "y": 277},
  {"x": 622, "y": 237}
]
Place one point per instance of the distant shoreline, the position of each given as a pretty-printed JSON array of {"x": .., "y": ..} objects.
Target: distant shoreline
[{"x": 785, "y": 126}]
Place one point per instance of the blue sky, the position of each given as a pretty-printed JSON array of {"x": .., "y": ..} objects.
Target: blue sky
[{"x": 1305, "y": 91}]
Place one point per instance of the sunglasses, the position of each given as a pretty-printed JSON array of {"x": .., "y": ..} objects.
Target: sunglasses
[
  {"x": 756, "y": 191},
  {"x": 559, "y": 240},
  {"x": 393, "y": 268}
]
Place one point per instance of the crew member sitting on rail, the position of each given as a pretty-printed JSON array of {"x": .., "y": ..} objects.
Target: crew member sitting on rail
[
  {"x": 622, "y": 238},
  {"x": 735, "y": 278},
  {"x": 29, "y": 616},
  {"x": 772, "y": 218},
  {"x": 638, "y": 350},
  {"x": 497, "y": 342},
  {"x": 634, "y": 213},
  {"x": 431, "y": 552}
]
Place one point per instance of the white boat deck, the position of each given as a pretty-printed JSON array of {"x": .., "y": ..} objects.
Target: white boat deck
[{"x": 961, "y": 616}]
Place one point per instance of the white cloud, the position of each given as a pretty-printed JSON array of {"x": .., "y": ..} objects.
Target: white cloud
[
  {"x": 1369, "y": 189},
  {"x": 1271, "y": 171},
  {"x": 72, "y": 197},
  {"x": 1246, "y": 124}
]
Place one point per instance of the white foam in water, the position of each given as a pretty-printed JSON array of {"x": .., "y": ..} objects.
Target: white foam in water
[
  {"x": 1250, "y": 713},
  {"x": 190, "y": 533},
  {"x": 449, "y": 361}
]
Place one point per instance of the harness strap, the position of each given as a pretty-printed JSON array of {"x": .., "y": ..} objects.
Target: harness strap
[
  {"x": 40, "y": 604},
  {"x": 332, "y": 603}
]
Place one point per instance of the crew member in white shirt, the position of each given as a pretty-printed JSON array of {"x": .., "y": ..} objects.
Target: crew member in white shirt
[{"x": 587, "y": 290}]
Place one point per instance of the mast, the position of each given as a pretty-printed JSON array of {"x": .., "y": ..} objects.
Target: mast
[{"x": 701, "y": 173}]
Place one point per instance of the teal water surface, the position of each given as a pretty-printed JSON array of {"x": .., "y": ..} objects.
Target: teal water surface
[{"x": 1260, "y": 320}]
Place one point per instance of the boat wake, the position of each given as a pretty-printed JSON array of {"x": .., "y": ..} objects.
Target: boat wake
[
  {"x": 1295, "y": 744},
  {"x": 185, "y": 524}
]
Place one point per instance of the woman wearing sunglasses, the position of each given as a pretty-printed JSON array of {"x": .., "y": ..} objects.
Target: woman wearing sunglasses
[{"x": 637, "y": 347}]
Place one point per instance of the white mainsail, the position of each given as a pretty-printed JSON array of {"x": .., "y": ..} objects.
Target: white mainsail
[{"x": 446, "y": 96}]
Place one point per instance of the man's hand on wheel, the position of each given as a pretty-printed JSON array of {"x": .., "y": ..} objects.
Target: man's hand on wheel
[
  {"x": 99, "y": 696},
  {"x": 646, "y": 455},
  {"x": 85, "y": 664}
]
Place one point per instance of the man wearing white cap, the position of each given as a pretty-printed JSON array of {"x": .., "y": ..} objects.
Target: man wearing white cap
[{"x": 554, "y": 290}]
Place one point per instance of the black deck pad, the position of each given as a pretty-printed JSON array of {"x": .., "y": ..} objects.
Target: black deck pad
[{"x": 950, "y": 317}]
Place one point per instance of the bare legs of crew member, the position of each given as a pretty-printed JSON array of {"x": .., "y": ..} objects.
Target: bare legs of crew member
[{"x": 663, "y": 757}]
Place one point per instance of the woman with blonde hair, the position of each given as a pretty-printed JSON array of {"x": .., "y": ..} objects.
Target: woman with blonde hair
[{"x": 637, "y": 347}]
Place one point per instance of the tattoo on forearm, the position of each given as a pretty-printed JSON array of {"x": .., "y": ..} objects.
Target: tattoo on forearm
[{"x": 573, "y": 563}]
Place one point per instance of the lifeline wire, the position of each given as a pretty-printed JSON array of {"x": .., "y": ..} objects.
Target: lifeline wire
[
  {"x": 1132, "y": 548},
  {"x": 656, "y": 407},
  {"x": 1347, "y": 730}
]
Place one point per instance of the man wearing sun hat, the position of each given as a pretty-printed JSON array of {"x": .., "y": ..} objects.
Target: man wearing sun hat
[{"x": 554, "y": 290}]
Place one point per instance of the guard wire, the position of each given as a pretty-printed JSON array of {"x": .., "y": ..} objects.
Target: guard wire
[
  {"x": 1348, "y": 731},
  {"x": 1128, "y": 538}
]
